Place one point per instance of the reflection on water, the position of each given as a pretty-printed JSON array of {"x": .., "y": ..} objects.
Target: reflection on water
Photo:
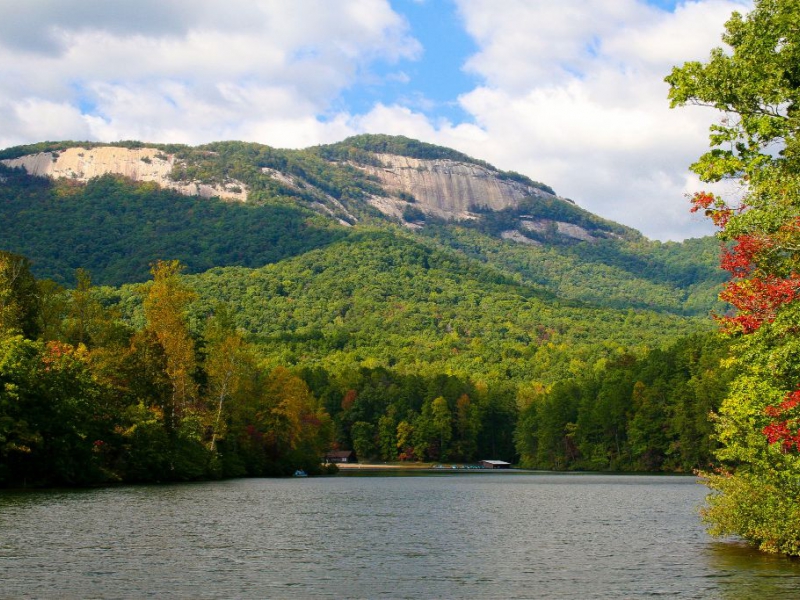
[
  {"x": 746, "y": 574},
  {"x": 464, "y": 535}
]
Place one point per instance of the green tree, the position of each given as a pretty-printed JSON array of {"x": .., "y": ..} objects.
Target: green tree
[
  {"x": 52, "y": 424},
  {"x": 387, "y": 435},
  {"x": 467, "y": 427},
  {"x": 424, "y": 437},
  {"x": 19, "y": 298},
  {"x": 647, "y": 429},
  {"x": 84, "y": 310},
  {"x": 756, "y": 83},
  {"x": 298, "y": 430},
  {"x": 52, "y": 308},
  {"x": 555, "y": 414},
  {"x": 405, "y": 444},
  {"x": 442, "y": 420},
  {"x": 363, "y": 436}
]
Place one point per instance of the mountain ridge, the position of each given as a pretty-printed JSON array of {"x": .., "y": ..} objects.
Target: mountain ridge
[
  {"x": 301, "y": 200},
  {"x": 400, "y": 179}
]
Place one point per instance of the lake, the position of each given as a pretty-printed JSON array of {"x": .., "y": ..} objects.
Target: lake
[{"x": 460, "y": 535}]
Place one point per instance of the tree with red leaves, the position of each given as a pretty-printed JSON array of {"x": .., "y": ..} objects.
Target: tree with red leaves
[{"x": 755, "y": 82}]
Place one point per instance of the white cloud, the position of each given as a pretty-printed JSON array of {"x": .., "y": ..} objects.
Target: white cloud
[
  {"x": 190, "y": 71},
  {"x": 47, "y": 120},
  {"x": 536, "y": 43},
  {"x": 401, "y": 120},
  {"x": 574, "y": 96}
]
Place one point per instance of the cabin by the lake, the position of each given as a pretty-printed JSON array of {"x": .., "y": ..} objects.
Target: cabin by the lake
[
  {"x": 494, "y": 464},
  {"x": 340, "y": 456}
]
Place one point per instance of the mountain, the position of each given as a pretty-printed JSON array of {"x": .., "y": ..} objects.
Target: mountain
[
  {"x": 396, "y": 177},
  {"x": 113, "y": 209},
  {"x": 427, "y": 305},
  {"x": 377, "y": 250}
]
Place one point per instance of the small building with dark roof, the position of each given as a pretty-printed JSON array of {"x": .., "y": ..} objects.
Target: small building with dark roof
[
  {"x": 340, "y": 456},
  {"x": 494, "y": 464}
]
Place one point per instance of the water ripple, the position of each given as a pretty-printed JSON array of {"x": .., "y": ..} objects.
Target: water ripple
[{"x": 454, "y": 536}]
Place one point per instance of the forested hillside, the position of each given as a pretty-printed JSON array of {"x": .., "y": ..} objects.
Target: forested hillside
[
  {"x": 380, "y": 298},
  {"x": 115, "y": 228},
  {"x": 156, "y": 382}
]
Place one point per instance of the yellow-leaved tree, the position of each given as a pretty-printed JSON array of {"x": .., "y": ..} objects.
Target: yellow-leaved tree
[{"x": 165, "y": 308}]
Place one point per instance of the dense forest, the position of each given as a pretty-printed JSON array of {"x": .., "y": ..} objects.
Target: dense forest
[
  {"x": 155, "y": 382},
  {"x": 87, "y": 399},
  {"x": 379, "y": 298},
  {"x": 648, "y": 413}
]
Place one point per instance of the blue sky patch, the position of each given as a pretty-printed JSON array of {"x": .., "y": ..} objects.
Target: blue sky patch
[{"x": 430, "y": 85}]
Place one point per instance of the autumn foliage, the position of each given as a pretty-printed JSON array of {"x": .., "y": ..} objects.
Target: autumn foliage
[
  {"x": 757, "y": 292},
  {"x": 754, "y": 84}
]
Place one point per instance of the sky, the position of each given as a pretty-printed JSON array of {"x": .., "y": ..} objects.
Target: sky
[{"x": 570, "y": 92}]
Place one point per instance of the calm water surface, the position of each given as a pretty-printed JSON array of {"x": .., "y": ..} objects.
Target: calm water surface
[{"x": 473, "y": 535}]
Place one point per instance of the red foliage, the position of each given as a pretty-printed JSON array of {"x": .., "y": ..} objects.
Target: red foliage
[
  {"x": 785, "y": 426},
  {"x": 757, "y": 296},
  {"x": 54, "y": 352},
  {"x": 757, "y": 301},
  {"x": 702, "y": 201},
  {"x": 740, "y": 260},
  {"x": 778, "y": 431},
  {"x": 349, "y": 399},
  {"x": 721, "y": 216},
  {"x": 714, "y": 208}
]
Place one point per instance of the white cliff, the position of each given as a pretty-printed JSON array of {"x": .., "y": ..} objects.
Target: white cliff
[
  {"x": 139, "y": 164},
  {"x": 444, "y": 188}
]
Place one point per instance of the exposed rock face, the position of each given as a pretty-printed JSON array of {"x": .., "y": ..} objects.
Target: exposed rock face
[
  {"x": 516, "y": 236},
  {"x": 444, "y": 188},
  {"x": 139, "y": 164},
  {"x": 574, "y": 231},
  {"x": 333, "y": 208},
  {"x": 569, "y": 230}
]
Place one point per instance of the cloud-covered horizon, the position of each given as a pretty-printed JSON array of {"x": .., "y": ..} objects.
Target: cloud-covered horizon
[{"x": 569, "y": 93}]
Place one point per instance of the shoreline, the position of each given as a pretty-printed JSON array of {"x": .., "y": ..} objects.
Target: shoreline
[
  {"x": 449, "y": 467},
  {"x": 384, "y": 466}
]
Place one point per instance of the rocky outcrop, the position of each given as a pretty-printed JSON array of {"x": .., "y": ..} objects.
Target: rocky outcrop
[
  {"x": 444, "y": 188},
  {"x": 569, "y": 230},
  {"x": 329, "y": 205},
  {"x": 516, "y": 236},
  {"x": 139, "y": 164}
]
